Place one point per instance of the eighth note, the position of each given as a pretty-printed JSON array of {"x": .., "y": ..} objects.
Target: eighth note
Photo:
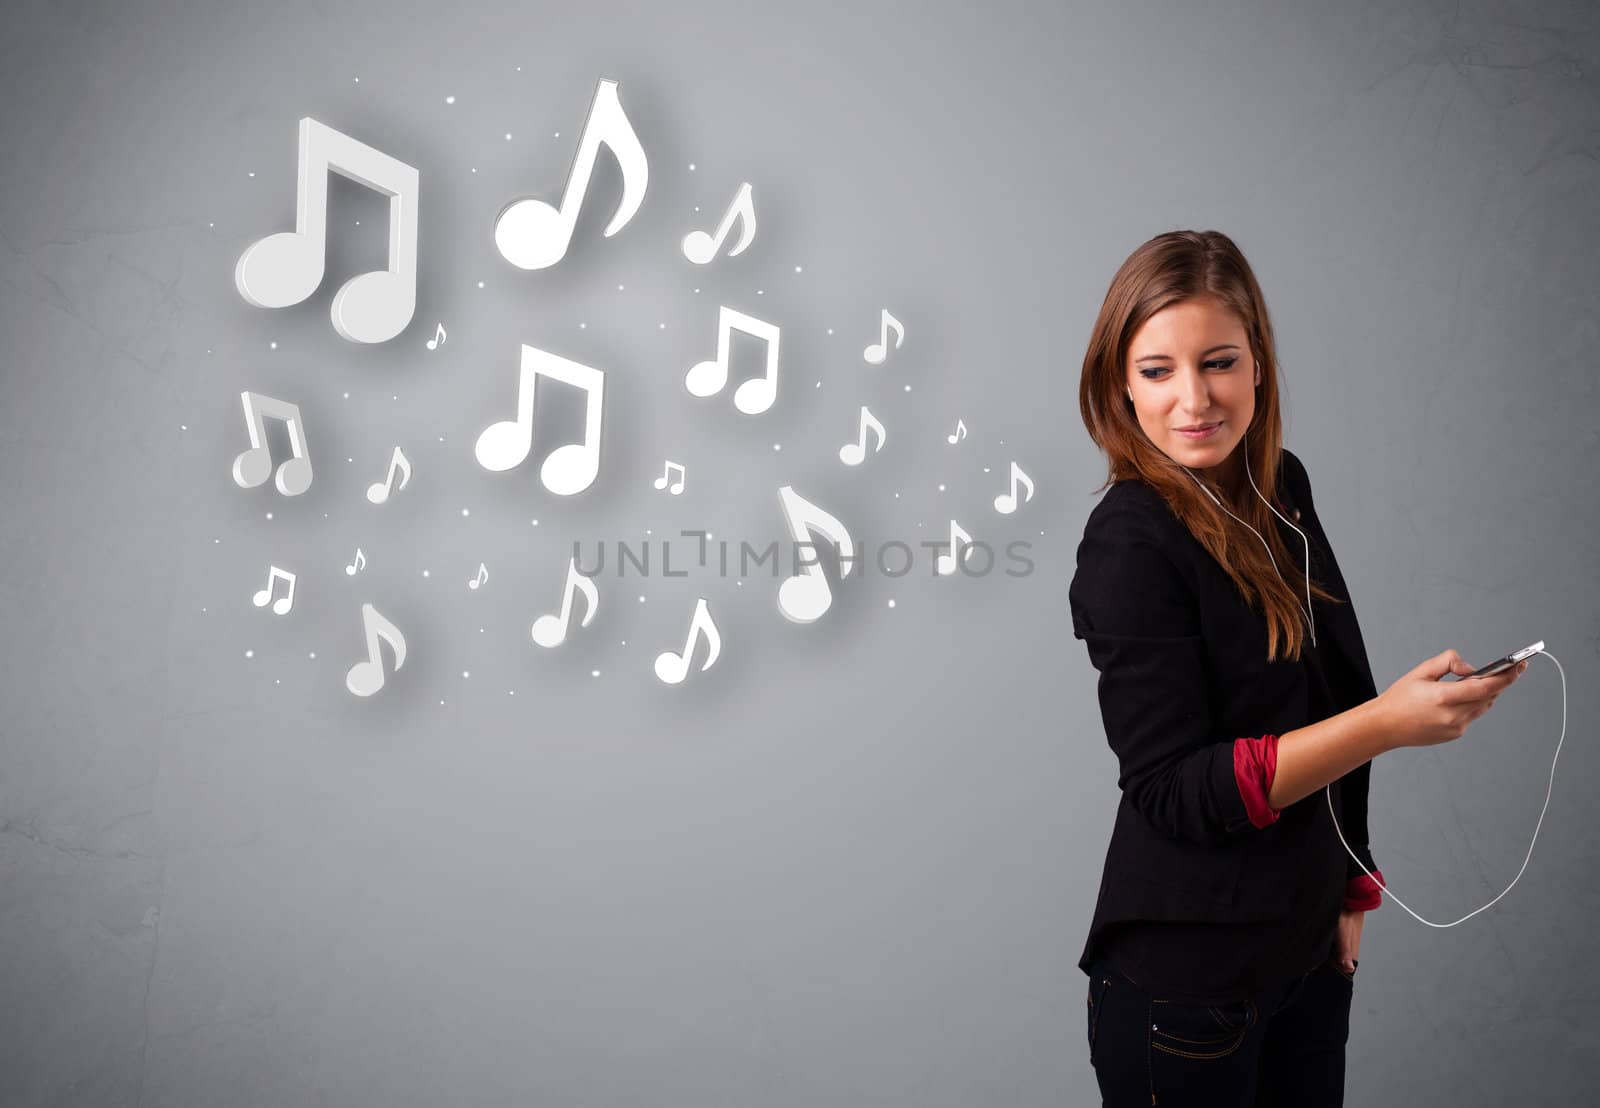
[
  {"x": 945, "y": 564},
  {"x": 438, "y": 338},
  {"x": 1006, "y": 502},
  {"x": 878, "y": 352},
  {"x": 677, "y": 486},
  {"x": 673, "y": 667},
  {"x": 366, "y": 677},
  {"x": 280, "y": 606},
  {"x": 854, "y": 453},
  {"x": 483, "y": 575},
  {"x": 700, "y": 247},
  {"x": 378, "y": 492},
  {"x": 355, "y": 567},
  {"x": 549, "y": 631},
  {"x": 960, "y": 433}
]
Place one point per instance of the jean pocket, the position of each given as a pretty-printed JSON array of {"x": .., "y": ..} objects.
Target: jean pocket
[
  {"x": 1097, "y": 996},
  {"x": 1200, "y": 1030},
  {"x": 1351, "y": 976}
]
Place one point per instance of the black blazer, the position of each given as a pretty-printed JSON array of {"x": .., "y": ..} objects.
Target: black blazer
[{"x": 1183, "y": 672}]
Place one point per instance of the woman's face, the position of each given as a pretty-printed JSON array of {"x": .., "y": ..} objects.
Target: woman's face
[{"x": 1190, "y": 365}]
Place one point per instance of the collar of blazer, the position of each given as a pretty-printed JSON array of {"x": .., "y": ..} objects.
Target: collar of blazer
[{"x": 1337, "y": 625}]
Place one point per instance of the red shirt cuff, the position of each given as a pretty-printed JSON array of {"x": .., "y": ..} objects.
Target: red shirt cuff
[
  {"x": 1255, "y": 761},
  {"x": 1362, "y": 894}
]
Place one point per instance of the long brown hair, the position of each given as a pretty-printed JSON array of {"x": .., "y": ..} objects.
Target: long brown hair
[{"x": 1168, "y": 269}]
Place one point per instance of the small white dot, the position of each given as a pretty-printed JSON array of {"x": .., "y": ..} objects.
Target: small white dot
[
  {"x": 581, "y": 326},
  {"x": 474, "y": 169},
  {"x": 641, "y": 600},
  {"x": 624, "y": 642},
  {"x": 449, "y": 99},
  {"x": 392, "y": 397},
  {"x": 697, "y": 207},
  {"x": 210, "y": 225},
  {"x": 424, "y": 573},
  {"x": 358, "y": 80},
  {"x": 819, "y": 384},
  {"x": 183, "y": 426},
  {"x": 777, "y": 446},
  {"x": 908, "y": 388},
  {"x": 202, "y": 609},
  {"x": 269, "y": 515},
  {"x": 662, "y": 326},
  {"x": 208, "y": 351},
  {"x": 941, "y": 488},
  {"x": 891, "y": 602},
  {"x": 691, "y": 167},
  {"x": 252, "y": 173},
  {"x": 465, "y": 673},
  {"x": 519, "y": 69},
  {"x": 986, "y": 469},
  {"x": 696, "y": 290},
  {"x": 441, "y": 703},
  {"x": 347, "y": 396},
  {"x": 480, "y": 630},
  {"x": 358, "y": 223},
  {"x": 463, "y": 510},
  {"x": 272, "y": 346},
  {"x": 739, "y": 583},
  {"x": 249, "y": 653},
  {"x": 619, "y": 288},
  {"x": 558, "y": 134},
  {"x": 277, "y": 681},
  {"x": 594, "y": 673},
  {"x": 480, "y": 284},
  {"x": 349, "y": 459},
  {"x": 797, "y": 269},
  {"x": 897, "y": 496},
  {"x": 508, "y": 136},
  {"x": 761, "y": 292},
  {"x": 313, "y": 654},
  {"x": 511, "y": 692},
  {"x": 830, "y": 330},
  {"x": 536, "y": 523},
  {"x": 216, "y": 540},
  {"x": 441, "y": 438}
]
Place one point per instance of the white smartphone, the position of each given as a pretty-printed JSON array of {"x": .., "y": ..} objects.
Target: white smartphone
[{"x": 1507, "y": 662}]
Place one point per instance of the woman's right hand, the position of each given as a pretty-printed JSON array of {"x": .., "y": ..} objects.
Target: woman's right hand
[{"x": 1422, "y": 710}]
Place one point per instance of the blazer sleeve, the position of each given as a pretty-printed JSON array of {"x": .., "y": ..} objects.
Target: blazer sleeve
[
  {"x": 1133, "y": 608},
  {"x": 1361, "y": 891}
]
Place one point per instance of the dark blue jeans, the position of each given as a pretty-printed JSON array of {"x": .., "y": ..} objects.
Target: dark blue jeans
[{"x": 1282, "y": 1046}]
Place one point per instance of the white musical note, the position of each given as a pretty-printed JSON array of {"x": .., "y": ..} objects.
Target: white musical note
[
  {"x": 251, "y": 468},
  {"x": 1006, "y": 502},
  {"x": 285, "y": 268},
  {"x": 483, "y": 576},
  {"x": 854, "y": 453},
  {"x": 878, "y": 352},
  {"x": 378, "y": 492},
  {"x": 366, "y": 677},
  {"x": 700, "y": 247},
  {"x": 356, "y": 566},
  {"x": 533, "y": 235},
  {"x": 945, "y": 564},
  {"x": 666, "y": 474},
  {"x": 707, "y": 378},
  {"x": 438, "y": 338},
  {"x": 672, "y": 667},
  {"x": 280, "y": 606},
  {"x": 959, "y": 433},
  {"x": 551, "y": 631},
  {"x": 569, "y": 469},
  {"x": 804, "y": 598}
]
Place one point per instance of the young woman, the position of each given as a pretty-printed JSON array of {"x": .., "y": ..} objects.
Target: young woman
[{"x": 1224, "y": 944}]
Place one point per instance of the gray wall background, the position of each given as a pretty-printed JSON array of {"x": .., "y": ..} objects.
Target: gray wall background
[{"x": 854, "y": 862}]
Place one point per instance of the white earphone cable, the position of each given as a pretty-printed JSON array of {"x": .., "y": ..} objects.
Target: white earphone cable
[{"x": 1328, "y": 788}]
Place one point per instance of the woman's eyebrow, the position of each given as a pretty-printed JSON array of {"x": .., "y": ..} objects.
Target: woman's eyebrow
[{"x": 1168, "y": 357}]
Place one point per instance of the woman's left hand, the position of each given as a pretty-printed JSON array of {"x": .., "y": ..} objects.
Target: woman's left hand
[{"x": 1347, "y": 940}]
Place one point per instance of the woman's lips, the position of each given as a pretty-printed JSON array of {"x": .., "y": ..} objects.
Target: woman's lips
[{"x": 1200, "y": 434}]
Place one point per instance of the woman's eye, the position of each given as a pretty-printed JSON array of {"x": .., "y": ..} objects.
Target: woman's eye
[{"x": 1152, "y": 374}]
